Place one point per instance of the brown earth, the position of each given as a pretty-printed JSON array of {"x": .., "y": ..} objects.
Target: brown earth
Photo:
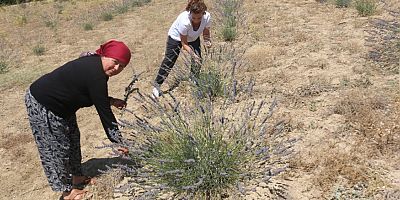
[{"x": 311, "y": 56}]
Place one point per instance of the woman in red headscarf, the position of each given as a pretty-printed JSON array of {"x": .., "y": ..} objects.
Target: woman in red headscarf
[{"x": 52, "y": 102}]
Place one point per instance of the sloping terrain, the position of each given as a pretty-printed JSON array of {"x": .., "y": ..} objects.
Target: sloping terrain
[{"x": 335, "y": 76}]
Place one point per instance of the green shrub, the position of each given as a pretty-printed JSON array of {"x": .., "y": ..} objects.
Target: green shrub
[
  {"x": 196, "y": 158},
  {"x": 230, "y": 7},
  {"x": 11, "y": 2},
  {"x": 228, "y": 11},
  {"x": 231, "y": 21},
  {"x": 3, "y": 67},
  {"x": 196, "y": 153},
  {"x": 21, "y": 20},
  {"x": 138, "y": 3},
  {"x": 201, "y": 151},
  {"x": 59, "y": 7},
  {"x": 38, "y": 50},
  {"x": 49, "y": 23},
  {"x": 365, "y": 7},
  {"x": 210, "y": 83},
  {"x": 123, "y": 8},
  {"x": 192, "y": 148},
  {"x": 88, "y": 26},
  {"x": 106, "y": 16},
  {"x": 50, "y": 19},
  {"x": 229, "y": 33},
  {"x": 343, "y": 3}
]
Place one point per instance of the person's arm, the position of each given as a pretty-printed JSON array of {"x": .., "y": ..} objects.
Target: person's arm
[
  {"x": 187, "y": 48},
  {"x": 185, "y": 44},
  {"x": 207, "y": 31},
  {"x": 206, "y": 34},
  {"x": 207, "y": 37},
  {"x": 99, "y": 94}
]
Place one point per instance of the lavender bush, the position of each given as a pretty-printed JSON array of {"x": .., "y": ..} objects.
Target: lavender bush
[
  {"x": 216, "y": 76},
  {"x": 228, "y": 14},
  {"x": 197, "y": 146}
]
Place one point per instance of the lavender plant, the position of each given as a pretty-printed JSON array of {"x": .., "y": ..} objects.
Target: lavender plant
[
  {"x": 229, "y": 33},
  {"x": 8, "y": 56},
  {"x": 192, "y": 157},
  {"x": 228, "y": 13},
  {"x": 106, "y": 16},
  {"x": 139, "y": 2},
  {"x": 196, "y": 149},
  {"x": 365, "y": 7},
  {"x": 210, "y": 83},
  {"x": 200, "y": 147},
  {"x": 88, "y": 26},
  {"x": 343, "y": 3},
  {"x": 216, "y": 75}
]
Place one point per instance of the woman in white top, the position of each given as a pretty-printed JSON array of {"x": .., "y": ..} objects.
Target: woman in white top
[{"x": 185, "y": 33}]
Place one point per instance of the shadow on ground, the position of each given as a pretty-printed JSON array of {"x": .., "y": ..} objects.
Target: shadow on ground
[{"x": 94, "y": 166}]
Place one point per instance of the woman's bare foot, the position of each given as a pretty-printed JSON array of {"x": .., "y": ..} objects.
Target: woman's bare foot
[
  {"x": 75, "y": 194},
  {"x": 64, "y": 194}
]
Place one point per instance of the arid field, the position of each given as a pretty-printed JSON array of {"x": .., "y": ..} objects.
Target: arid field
[{"x": 333, "y": 73}]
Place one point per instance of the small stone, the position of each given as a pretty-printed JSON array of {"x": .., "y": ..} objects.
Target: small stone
[
  {"x": 261, "y": 191},
  {"x": 263, "y": 184},
  {"x": 117, "y": 195}
]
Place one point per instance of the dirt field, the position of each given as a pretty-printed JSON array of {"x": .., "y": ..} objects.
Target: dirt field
[{"x": 313, "y": 57}]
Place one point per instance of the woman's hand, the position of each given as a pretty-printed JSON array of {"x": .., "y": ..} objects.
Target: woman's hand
[
  {"x": 207, "y": 44},
  {"x": 185, "y": 45},
  {"x": 118, "y": 103},
  {"x": 207, "y": 38},
  {"x": 123, "y": 150}
]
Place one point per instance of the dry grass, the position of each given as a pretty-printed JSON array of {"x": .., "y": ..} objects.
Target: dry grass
[
  {"x": 316, "y": 86},
  {"x": 105, "y": 185},
  {"x": 354, "y": 46},
  {"x": 335, "y": 168},
  {"x": 362, "y": 81},
  {"x": 306, "y": 95},
  {"x": 263, "y": 56},
  {"x": 374, "y": 119},
  {"x": 19, "y": 36}
]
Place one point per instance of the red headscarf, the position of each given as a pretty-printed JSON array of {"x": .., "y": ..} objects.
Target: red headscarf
[{"x": 115, "y": 49}]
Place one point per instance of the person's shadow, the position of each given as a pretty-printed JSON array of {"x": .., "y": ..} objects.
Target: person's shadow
[{"x": 94, "y": 166}]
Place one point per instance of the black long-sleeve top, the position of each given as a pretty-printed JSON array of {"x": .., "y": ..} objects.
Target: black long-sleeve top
[{"x": 77, "y": 84}]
